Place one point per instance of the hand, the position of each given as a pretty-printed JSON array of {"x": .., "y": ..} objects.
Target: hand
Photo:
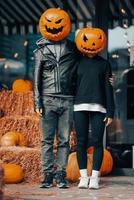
[
  {"x": 108, "y": 121},
  {"x": 39, "y": 111},
  {"x": 112, "y": 79}
]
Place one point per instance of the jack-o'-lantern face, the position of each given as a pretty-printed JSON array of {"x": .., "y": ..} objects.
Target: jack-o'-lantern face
[
  {"x": 90, "y": 41},
  {"x": 54, "y": 24}
]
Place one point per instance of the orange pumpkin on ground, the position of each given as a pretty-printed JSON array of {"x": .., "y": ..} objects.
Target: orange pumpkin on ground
[
  {"x": 90, "y": 41},
  {"x": 107, "y": 163},
  {"x": 21, "y": 85},
  {"x": 73, "y": 169},
  {"x": 13, "y": 139},
  {"x": 54, "y": 24},
  {"x": 12, "y": 173}
]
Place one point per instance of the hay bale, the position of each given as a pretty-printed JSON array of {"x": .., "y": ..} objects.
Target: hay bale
[
  {"x": 28, "y": 104},
  {"x": 28, "y": 158},
  {"x": 28, "y": 126},
  {"x": 13, "y": 103},
  {"x": 73, "y": 141}
]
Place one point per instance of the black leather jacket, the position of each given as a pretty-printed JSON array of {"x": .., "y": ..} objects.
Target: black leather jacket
[{"x": 52, "y": 76}]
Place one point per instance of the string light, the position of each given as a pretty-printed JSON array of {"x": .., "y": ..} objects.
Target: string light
[
  {"x": 115, "y": 56},
  {"x": 25, "y": 43},
  {"x": 123, "y": 11},
  {"x": 125, "y": 25},
  {"x": 5, "y": 66},
  {"x": 16, "y": 55},
  {"x": 32, "y": 58}
]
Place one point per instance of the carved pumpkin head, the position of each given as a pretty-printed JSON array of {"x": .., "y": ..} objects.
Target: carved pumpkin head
[
  {"x": 90, "y": 41},
  {"x": 54, "y": 24}
]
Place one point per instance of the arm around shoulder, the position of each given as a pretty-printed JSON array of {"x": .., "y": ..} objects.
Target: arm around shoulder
[{"x": 109, "y": 92}]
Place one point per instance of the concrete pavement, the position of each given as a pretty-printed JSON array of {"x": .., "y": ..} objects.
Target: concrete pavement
[{"x": 111, "y": 188}]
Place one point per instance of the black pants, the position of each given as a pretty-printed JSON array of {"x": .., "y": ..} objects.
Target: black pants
[{"x": 82, "y": 128}]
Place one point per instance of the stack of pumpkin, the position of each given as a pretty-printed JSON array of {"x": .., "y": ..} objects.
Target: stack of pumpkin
[{"x": 19, "y": 134}]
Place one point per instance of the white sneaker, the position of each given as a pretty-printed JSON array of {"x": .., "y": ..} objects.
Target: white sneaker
[
  {"x": 94, "y": 182},
  {"x": 84, "y": 181}
]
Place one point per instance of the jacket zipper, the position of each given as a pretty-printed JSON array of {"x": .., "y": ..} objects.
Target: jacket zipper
[
  {"x": 58, "y": 77},
  {"x": 56, "y": 71}
]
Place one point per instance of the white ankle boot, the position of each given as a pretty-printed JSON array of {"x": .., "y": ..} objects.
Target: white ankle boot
[
  {"x": 84, "y": 181},
  {"x": 94, "y": 182}
]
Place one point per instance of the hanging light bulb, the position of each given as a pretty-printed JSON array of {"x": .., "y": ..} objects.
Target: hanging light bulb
[
  {"x": 25, "y": 43},
  {"x": 123, "y": 11},
  {"x": 16, "y": 55},
  {"x": 115, "y": 56},
  {"x": 125, "y": 25},
  {"x": 32, "y": 58},
  {"x": 5, "y": 66}
]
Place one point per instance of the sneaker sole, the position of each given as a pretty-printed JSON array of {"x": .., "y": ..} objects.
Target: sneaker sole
[
  {"x": 46, "y": 186},
  {"x": 94, "y": 188},
  {"x": 62, "y": 187},
  {"x": 83, "y": 187}
]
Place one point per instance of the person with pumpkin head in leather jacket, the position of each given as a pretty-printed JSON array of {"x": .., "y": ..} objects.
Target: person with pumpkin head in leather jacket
[{"x": 55, "y": 65}]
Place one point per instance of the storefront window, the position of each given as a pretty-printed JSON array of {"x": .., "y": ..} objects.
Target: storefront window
[{"x": 120, "y": 137}]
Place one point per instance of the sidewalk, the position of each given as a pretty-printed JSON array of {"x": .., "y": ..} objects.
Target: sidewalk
[{"x": 112, "y": 188}]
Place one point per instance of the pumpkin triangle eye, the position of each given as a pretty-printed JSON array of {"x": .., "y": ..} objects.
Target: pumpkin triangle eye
[
  {"x": 85, "y": 38},
  {"x": 100, "y": 37},
  {"x": 48, "y": 20},
  {"x": 59, "y": 21}
]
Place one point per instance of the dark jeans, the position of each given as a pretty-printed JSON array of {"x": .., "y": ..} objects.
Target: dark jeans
[
  {"x": 57, "y": 118},
  {"x": 82, "y": 128}
]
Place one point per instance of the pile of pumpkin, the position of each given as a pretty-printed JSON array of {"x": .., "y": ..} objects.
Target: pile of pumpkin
[{"x": 13, "y": 173}]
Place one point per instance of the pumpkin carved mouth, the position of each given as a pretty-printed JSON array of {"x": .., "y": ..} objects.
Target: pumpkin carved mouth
[
  {"x": 88, "y": 49},
  {"x": 54, "y": 30}
]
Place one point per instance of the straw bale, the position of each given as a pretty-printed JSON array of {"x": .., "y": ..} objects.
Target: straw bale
[
  {"x": 28, "y": 158},
  {"x": 13, "y": 103},
  {"x": 29, "y": 126}
]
